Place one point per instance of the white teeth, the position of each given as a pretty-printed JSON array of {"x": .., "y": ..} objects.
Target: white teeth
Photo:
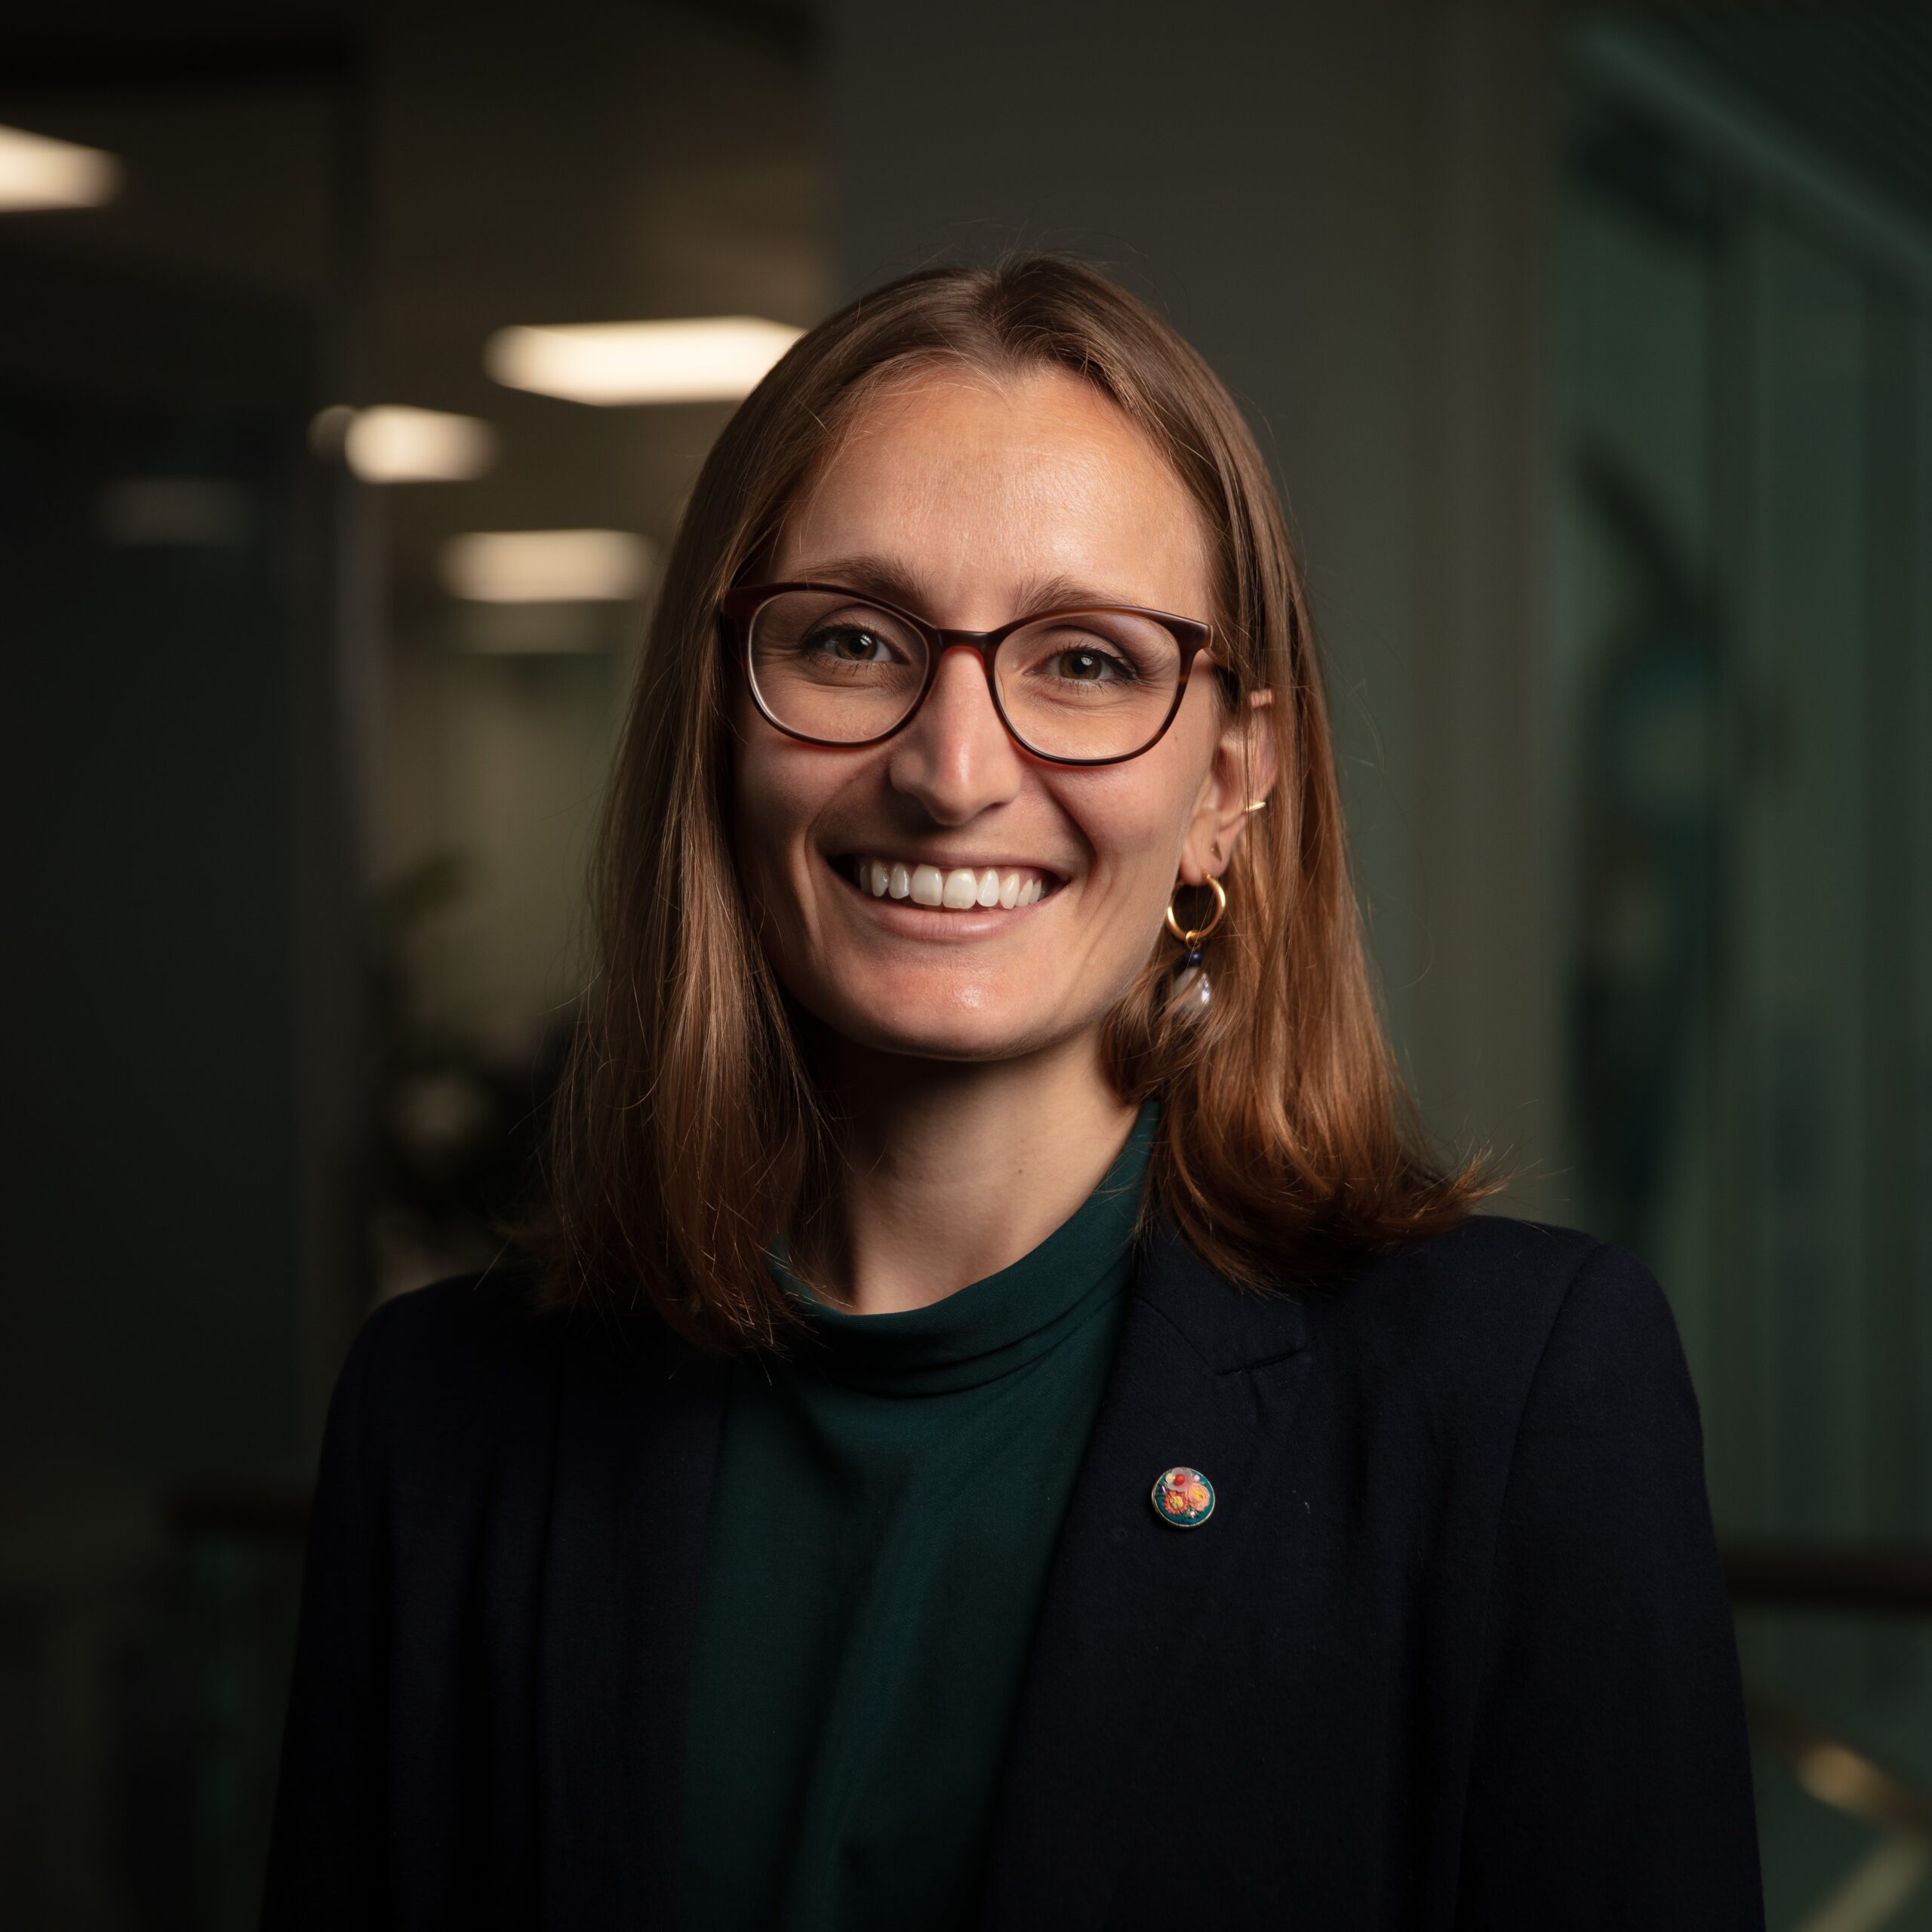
[{"x": 959, "y": 889}]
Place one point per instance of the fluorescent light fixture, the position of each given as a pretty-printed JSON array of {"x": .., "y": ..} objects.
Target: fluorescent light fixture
[
  {"x": 546, "y": 566},
  {"x": 393, "y": 443},
  {"x": 36, "y": 172},
  {"x": 717, "y": 358}
]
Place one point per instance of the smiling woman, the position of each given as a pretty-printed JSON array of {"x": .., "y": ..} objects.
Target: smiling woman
[
  {"x": 982, "y": 1159},
  {"x": 1005, "y": 541}
]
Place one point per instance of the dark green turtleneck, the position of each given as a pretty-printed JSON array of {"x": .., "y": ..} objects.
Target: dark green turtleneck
[{"x": 887, "y": 1506}]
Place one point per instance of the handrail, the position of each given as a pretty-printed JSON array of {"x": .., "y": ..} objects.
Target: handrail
[
  {"x": 1889, "y": 1578},
  {"x": 247, "y": 1511}
]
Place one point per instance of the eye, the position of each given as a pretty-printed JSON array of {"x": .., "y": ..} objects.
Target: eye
[
  {"x": 1088, "y": 666},
  {"x": 851, "y": 645}
]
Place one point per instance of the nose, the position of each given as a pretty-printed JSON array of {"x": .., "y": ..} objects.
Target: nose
[{"x": 956, "y": 757}]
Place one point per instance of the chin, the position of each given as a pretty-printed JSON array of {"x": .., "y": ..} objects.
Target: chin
[{"x": 978, "y": 1026}]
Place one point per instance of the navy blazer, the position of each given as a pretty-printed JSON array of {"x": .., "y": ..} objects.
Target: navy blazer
[{"x": 1453, "y": 1651}]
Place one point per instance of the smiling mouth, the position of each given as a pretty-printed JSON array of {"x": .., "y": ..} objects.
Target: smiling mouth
[{"x": 951, "y": 888}]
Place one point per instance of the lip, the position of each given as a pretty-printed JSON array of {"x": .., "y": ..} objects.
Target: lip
[{"x": 934, "y": 922}]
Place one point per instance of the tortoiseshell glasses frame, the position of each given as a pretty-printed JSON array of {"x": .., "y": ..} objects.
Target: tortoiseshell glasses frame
[{"x": 739, "y": 609}]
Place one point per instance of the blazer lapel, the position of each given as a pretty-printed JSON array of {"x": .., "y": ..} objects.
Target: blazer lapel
[
  {"x": 639, "y": 1430},
  {"x": 1206, "y": 1375}
]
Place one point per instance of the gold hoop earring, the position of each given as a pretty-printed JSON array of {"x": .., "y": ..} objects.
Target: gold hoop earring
[
  {"x": 1191, "y": 937},
  {"x": 1256, "y": 805},
  {"x": 1191, "y": 987}
]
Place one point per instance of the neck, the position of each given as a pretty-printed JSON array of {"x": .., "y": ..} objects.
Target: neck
[{"x": 953, "y": 1171}]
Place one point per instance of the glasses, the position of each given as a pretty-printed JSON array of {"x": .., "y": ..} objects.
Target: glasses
[{"x": 837, "y": 667}]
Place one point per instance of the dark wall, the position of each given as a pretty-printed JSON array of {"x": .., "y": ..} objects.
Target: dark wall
[
  {"x": 157, "y": 578},
  {"x": 150, "y": 560}
]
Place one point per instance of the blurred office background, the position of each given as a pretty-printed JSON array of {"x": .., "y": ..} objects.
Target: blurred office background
[{"x": 1593, "y": 348}]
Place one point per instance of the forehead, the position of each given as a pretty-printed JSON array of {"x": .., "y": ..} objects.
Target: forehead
[{"x": 978, "y": 487}]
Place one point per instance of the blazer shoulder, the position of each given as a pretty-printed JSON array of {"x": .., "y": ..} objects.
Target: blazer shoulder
[
  {"x": 440, "y": 1357},
  {"x": 462, "y": 1351},
  {"x": 1487, "y": 1249},
  {"x": 1488, "y": 1268},
  {"x": 492, "y": 1313},
  {"x": 1473, "y": 1310}
]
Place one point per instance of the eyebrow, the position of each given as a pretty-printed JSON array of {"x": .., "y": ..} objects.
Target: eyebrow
[{"x": 881, "y": 577}]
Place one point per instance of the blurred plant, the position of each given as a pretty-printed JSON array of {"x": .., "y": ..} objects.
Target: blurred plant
[{"x": 459, "y": 1112}]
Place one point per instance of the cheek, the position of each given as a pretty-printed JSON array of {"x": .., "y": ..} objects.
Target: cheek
[
  {"x": 1133, "y": 828},
  {"x": 1136, "y": 816},
  {"x": 774, "y": 799},
  {"x": 1132, "y": 845}
]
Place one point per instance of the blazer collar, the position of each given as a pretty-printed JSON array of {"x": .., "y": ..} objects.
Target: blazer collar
[
  {"x": 1231, "y": 1328},
  {"x": 1207, "y": 1375}
]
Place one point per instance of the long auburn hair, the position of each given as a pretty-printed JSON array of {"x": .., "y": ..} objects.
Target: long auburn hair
[{"x": 687, "y": 1133}]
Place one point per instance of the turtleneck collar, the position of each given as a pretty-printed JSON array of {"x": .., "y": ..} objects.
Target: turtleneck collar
[{"x": 994, "y": 1327}]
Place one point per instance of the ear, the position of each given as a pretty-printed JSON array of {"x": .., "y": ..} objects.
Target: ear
[{"x": 1246, "y": 760}]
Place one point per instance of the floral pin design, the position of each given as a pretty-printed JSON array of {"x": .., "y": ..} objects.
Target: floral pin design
[{"x": 1183, "y": 1498}]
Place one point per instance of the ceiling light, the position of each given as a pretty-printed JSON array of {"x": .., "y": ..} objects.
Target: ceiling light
[
  {"x": 38, "y": 172},
  {"x": 394, "y": 444},
  {"x": 716, "y": 359},
  {"x": 546, "y": 566}
]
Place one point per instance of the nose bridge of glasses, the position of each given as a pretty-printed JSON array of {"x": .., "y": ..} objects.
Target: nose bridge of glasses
[
  {"x": 981, "y": 643},
  {"x": 958, "y": 719}
]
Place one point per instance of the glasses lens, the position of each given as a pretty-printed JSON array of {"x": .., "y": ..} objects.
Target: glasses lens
[
  {"x": 1091, "y": 684},
  {"x": 831, "y": 667}
]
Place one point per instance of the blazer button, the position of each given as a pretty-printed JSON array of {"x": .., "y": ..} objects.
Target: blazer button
[{"x": 1183, "y": 1498}]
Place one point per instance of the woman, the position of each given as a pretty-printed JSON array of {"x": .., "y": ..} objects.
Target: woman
[{"x": 1006, "y": 1426}]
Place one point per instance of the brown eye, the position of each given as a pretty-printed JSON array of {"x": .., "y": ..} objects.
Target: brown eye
[
  {"x": 1090, "y": 667},
  {"x": 852, "y": 646}
]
